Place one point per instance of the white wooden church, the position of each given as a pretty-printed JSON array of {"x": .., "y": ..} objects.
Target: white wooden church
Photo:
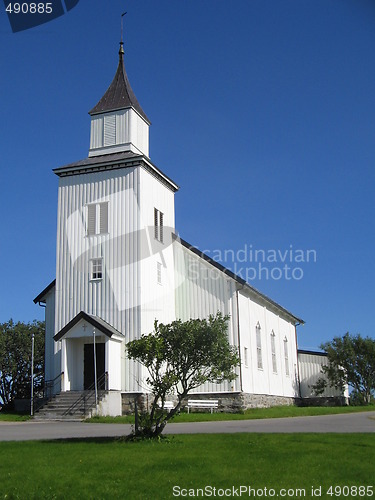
[{"x": 120, "y": 266}]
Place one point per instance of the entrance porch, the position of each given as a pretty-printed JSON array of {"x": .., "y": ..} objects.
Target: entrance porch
[{"x": 89, "y": 345}]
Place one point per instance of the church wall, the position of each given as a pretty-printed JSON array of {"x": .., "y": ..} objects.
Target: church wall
[
  {"x": 113, "y": 363},
  {"x": 157, "y": 298},
  {"x": 201, "y": 290},
  {"x": 264, "y": 380},
  {"x": 156, "y": 301},
  {"x": 52, "y": 357},
  {"x": 310, "y": 365}
]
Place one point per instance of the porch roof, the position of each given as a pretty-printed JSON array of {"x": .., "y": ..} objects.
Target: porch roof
[{"x": 95, "y": 321}]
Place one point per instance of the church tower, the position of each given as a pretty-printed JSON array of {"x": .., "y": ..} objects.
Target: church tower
[
  {"x": 114, "y": 262},
  {"x": 118, "y": 123}
]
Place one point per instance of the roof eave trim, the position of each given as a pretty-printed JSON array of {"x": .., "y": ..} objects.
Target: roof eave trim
[
  {"x": 111, "y": 110},
  {"x": 312, "y": 353},
  {"x": 39, "y": 298},
  {"x": 114, "y": 165},
  {"x": 90, "y": 319}
]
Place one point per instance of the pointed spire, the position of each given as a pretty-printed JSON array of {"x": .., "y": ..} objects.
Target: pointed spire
[{"x": 119, "y": 94}]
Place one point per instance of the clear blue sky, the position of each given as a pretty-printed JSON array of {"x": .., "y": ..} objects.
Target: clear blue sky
[{"x": 263, "y": 111}]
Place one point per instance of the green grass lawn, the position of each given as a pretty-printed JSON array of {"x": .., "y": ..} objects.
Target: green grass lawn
[
  {"x": 256, "y": 413},
  {"x": 149, "y": 470},
  {"x": 13, "y": 417}
]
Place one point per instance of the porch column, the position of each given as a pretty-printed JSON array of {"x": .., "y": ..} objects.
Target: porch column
[{"x": 64, "y": 367}]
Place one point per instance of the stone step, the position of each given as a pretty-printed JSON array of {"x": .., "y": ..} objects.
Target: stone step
[{"x": 69, "y": 405}]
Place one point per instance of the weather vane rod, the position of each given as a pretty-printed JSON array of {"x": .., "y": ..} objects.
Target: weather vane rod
[{"x": 122, "y": 26}]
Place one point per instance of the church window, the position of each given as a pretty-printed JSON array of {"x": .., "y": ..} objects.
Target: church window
[
  {"x": 259, "y": 347},
  {"x": 97, "y": 218},
  {"x": 97, "y": 269},
  {"x": 273, "y": 352},
  {"x": 109, "y": 130},
  {"x": 158, "y": 273},
  {"x": 286, "y": 357},
  {"x": 158, "y": 225},
  {"x": 245, "y": 355}
]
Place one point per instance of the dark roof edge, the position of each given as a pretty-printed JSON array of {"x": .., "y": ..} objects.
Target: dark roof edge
[
  {"x": 315, "y": 353},
  {"x": 146, "y": 119},
  {"x": 90, "y": 319},
  {"x": 108, "y": 164},
  {"x": 39, "y": 298},
  {"x": 237, "y": 278}
]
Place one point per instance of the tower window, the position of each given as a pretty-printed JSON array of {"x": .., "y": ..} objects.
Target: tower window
[
  {"x": 109, "y": 130},
  {"x": 158, "y": 225},
  {"x": 96, "y": 272},
  {"x": 246, "y": 357},
  {"x": 97, "y": 218}
]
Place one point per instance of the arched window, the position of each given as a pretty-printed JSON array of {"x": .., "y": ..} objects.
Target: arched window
[
  {"x": 259, "y": 346},
  {"x": 286, "y": 357},
  {"x": 273, "y": 352}
]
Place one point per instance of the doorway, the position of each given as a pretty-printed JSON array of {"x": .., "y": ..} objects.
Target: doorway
[{"x": 88, "y": 366}]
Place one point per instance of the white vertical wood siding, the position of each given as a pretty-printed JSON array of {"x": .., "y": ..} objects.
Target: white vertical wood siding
[
  {"x": 310, "y": 366},
  {"x": 114, "y": 350},
  {"x": 156, "y": 301},
  {"x": 116, "y": 297},
  {"x": 201, "y": 290},
  {"x": 52, "y": 358},
  {"x": 265, "y": 381}
]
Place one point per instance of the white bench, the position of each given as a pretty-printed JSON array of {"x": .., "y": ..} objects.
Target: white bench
[
  {"x": 168, "y": 405},
  {"x": 212, "y": 404}
]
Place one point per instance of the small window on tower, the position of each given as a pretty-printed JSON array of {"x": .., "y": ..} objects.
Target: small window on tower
[
  {"x": 97, "y": 218},
  {"x": 158, "y": 225},
  {"x": 96, "y": 272}
]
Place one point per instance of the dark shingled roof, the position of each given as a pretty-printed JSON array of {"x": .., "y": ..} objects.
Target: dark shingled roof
[
  {"x": 100, "y": 159},
  {"x": 237, "y": 278},
  {"x": 119, "y": 94}
]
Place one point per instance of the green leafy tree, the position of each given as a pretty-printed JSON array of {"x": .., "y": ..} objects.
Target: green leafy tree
[
  {"x": 351, "y": 360},
  {"x": 179, "y": 357},
  {"x": 15, "y": 359}
]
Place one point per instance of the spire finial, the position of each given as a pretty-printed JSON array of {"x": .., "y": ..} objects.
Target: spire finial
[{"x": 121, "y": 51}]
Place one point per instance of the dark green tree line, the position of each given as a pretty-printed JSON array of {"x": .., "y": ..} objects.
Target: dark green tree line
[
  {"x": 15, "y": 359},
  {"x": 351, "y": 360}
]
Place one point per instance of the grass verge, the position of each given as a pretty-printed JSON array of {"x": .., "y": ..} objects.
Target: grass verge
[
  {"x": 114, "y": 469},
  {"x": 13, "y": 417},
  {"x": 256, "y": 413}
]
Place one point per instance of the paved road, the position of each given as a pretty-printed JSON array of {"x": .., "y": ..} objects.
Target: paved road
[{"x": 353, "y": 422}]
